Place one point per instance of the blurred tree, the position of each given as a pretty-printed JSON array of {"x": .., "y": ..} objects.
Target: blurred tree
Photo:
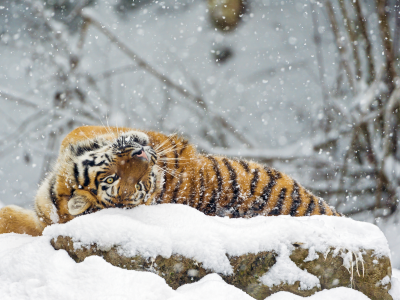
[{"x": 372, "y": 119}]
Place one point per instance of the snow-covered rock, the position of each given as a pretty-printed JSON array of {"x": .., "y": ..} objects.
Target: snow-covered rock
[{"x": 261, "y": 256}]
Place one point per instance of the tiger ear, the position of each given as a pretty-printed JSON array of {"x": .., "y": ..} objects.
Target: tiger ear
[{"x": 80, "y": 201}]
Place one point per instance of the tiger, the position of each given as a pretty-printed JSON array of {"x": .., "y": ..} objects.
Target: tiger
[{"x": 100, "y": 167}]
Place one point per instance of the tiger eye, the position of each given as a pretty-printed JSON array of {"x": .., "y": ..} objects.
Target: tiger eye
[
  {"x": 110, "y": 180},
  {"x": 138, "y": 187}
]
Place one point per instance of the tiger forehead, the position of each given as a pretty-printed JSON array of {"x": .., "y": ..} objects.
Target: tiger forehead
[
  {"x": 131, "y": 138},
  {"x": 107, "y": 142}
]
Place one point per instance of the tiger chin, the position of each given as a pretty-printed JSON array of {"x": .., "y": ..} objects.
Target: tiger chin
[{"x": 102, "y": 167}]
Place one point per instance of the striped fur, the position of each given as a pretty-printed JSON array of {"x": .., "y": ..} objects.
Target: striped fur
[{"x": 100, "y": 167}]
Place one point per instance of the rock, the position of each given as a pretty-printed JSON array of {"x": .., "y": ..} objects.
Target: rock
[{"x": 372, "y": 277}]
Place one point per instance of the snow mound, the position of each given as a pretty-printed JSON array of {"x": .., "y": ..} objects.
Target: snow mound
[
  {"x": 178, "y": 229},
  {"x": 31, "y": 269}
]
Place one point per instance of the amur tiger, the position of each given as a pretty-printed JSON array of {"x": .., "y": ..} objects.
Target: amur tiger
[{"x": 101, "y": 167}]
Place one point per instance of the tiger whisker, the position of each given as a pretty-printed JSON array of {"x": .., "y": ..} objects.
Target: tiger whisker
[
  {"x": 107, "y": 128},
  {"x": 173, "y": 158},
  {"x": 171, "y": 147},
  {"x": 85, "y": 135},
  {"x": 160, "y": 145},
  {"x": 163, "y": 170},
  {"x": 108, "y": 125},
  {"x": 166, "y": 151}
]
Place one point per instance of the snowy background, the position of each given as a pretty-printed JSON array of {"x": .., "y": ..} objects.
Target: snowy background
[{"x": 305, "y": 86}]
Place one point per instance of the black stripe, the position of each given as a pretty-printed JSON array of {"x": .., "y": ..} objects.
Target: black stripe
[
  {"x": 175, "y": 153},
  {"x": 322, "y": 210},
  {"x": 201, "y": 190},
  {"x": 86, "y": 176},
  {"x": 79, "y": 150},
  {"x": 96, "y": 181},
  {"x": 108, "y": 157},
  {"x": 234, "y": 184},
  {"x": 192, "y": 194},
  {"x": 87, "y": 164},
  {"x": 266, "y": 191},
  {"x": 278, "y": 175},
  {"x": 76, "y": 174},
  {"x": 277, "y": 210},
  {"x": 164, "y": 186},
  {"x": 311, "y": 206},
  {"x": 245, "y": 165},
  {"x": 254, "y": 182},
  {"x": 52, "y": 191},
  {"x": 176, "y": 190},
  {"x": 185, "y": 144},
  {"x": 165, "y": 167},
  {"x": 211, "y": 207},
  {"x": 218, "y": 175},
  {"x": 296, "y": 201}
]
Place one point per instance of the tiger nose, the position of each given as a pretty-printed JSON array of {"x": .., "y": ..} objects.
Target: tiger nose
[{"x": 142, "y": 155}]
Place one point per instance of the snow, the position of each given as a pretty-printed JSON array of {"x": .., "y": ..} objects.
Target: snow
[
  {"x": 285, "y": 271},
  {"x": 395, "y": 290},
  {"x": 339, "y": 293},
  {"x": 31, "y": 269},
  {"x": 173, "y": 228}
]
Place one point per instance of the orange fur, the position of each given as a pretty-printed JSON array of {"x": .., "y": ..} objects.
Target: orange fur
[{"x": 215, "y": 185}]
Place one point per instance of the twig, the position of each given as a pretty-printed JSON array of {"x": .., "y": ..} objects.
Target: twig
[
  {"x": 396, "y": 35},
  {"x": 368, "y": 49},
  {"x": 17, "y": 99},
  {"x": 115, "y": 71},
  {"x": 340, "y": 46},
  {"x": 321, "y": 68},
  {"x": 19, "y": 131},
  {"x": 352, "y": 38},
  {"x": 387, "y": 43}
]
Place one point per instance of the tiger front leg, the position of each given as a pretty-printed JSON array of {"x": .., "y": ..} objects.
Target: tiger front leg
[
  {"x": 140, "y": 194},
  {"x": 144, "y": 189},
  {"x": 19, "y": 220}
]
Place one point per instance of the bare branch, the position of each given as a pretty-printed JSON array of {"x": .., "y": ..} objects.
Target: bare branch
[
  {"x": 16, "y": 98},
  {"x": 352, "y": 38},
  {"x": 340, "y": 46},
  {"x": 387, "y": 43},
  {"x": 115, "y": 71},
  {"x": 396, "y": 35},
  {"x": 368, "y": 49}
]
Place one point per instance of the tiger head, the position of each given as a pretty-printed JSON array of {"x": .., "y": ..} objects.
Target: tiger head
[{"x": 110, "y": 171}]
